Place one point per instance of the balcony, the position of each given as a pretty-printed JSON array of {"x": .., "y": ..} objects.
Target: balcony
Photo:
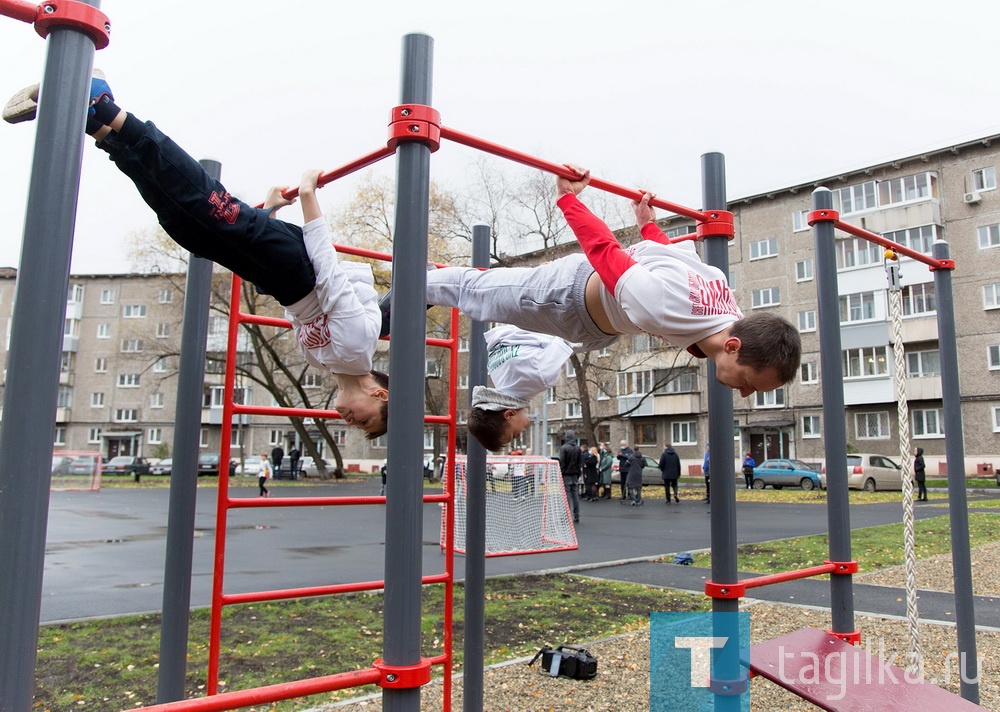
[
  {"x": 63, "y": 415},
  {"x": 66, "y": 378},
  {"x": 661, "y": 404},
  {"x": 213, "y": 416},
  {"x": 869, "y": 390}
]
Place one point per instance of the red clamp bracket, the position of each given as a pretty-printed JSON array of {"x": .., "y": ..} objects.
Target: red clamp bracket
[
  {"x": 843, "y": 567},
  {"x": 717, "y": 223},
  {"x": 403, "y": 676},
  {"x": 415, "y": 122},
  {"x": 943, "y": 264},
  {"x": 734, "y": 688},
  {"x": 725, "y": 590},
  {"x": 854, "y": 637},
  {"x": 78, "y": 15},
  {"x": 816, "y": 216}
]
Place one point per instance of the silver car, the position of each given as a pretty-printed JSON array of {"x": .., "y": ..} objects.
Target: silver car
[{"x": 873, "y": 472}]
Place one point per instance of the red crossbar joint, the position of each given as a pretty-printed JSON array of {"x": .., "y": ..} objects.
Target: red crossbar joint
[
  {"x": 822, "y": 216},
  {"x": 854, "y": 637},
  {"x": 403, "y": 676},
  {"x": 78, "y": 15},
  {"x": 718, "y": 223},
  {"x": 725, "y": 590},
  {"x": 843, "y": 567},
  {"x": 735, "y": 687},
  {"x": 415, "y": 122},
  {"x": 943, "y": 264}
]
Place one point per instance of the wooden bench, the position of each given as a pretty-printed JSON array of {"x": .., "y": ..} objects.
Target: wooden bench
[{"x": 857, "y": 680}]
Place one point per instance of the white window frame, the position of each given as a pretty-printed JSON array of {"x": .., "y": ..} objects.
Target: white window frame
[
  {"x": 154, "y": 436},
  {"x": 770, "y": 399},
  {"x": 762, "y": 249},
  {"x": 59, "y": 435},
  {"x": 991, "y": 296},
  {"x": 128, "y": 380},
  {"x": 107, "y": 296},
  {"x": 93, "y": 435},
  {"x": 984, "y": 179},
  {"x": 104, "y": 331},
  {"x": 126, "y": 415},
  {"x": 65, "y": 397},
  {"x": 919, "y": 299},
  {"x": 927, "y": 423},
  {"x": 463, "y": 344},
  {"x": 75, "y": 294},
  {"x": 310, "y": 379},
  {"x": 570, "y": 371},
  {"x": 766, "y": 297},
  {"x": 551, "y": 395},
  {"x": 97, "y": 400},
  {"x": 811, "y": 426},
  {"x": 166, "y": 296},
  {"x": 993, "y": 357},
  {"x": 925, "y": 363},
  {"x": 807, "y": 320},
  {"x": 804, "y": 271},
  {"x": 463, "y": 381},
  {"x": 862, "y": 303},
  {"x": 800, "y": 221},
  {"x": 100, "y": 365},
  {"x": 157, "y": 399},
  {"x": 160, "y": 365},
  {"x": 989, "y": 236},
  {"x": 574, "y": 409},
  {"x": 134, "y": 311},
  {"x": 339, "y": 436},
  {"x": 865, "y": 354},
  {"x": 163, "y": 330},
  {"x": 203, "y": 437},
  {"x": 684, "y": 432},
  {"x": 275, "y": 437},
  {"x": 809, "y": 372},
  {"x": 881, "y": 423},
  {"x": 131, "y": 346}
]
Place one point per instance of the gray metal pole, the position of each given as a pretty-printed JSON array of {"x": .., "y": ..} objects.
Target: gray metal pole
[
  {"x": 475, "y": 511},
  {"x": 184, "y": 476},
  {"x": 834, "y": 427},
  {"x": 404, "y": 504},
  {"x": 954, "y": 446},
  {"x": 721, "y": 458},
  {"x": 36, "y": 343}
]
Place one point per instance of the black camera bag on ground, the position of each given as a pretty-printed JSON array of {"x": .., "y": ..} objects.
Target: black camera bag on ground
[{"x": 567, "y": 661}]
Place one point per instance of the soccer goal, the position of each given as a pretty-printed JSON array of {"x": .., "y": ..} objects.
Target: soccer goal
[
  {"x": 526, "y": 507},
  {"x": 76, "y": 470}
]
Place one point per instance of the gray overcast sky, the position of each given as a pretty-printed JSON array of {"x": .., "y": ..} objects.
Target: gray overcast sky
[{"x": 788, "y": 90}]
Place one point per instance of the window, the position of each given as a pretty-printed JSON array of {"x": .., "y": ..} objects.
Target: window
[
  {"x": 771, "y": 399},
  {"x": 991, "y": 296},
  {"x": 928, "y": 423},
  {"x": 923, "y": 363},
  {"x": 680, "y": 381},
  {"x": 131, "y": 346},
  {"x": 274, "y": 437},
  {"x": 602, "y": 394},
  {"x": 639, "y": 344},
  {"x": 865, "y": 362},
  {"x": 96, "y": 400},
  {"x": 126, "y": 415},
  {"x": 857, "y": 307},
  {"x": 807, "y": 320},
  {"x": 605, "y": 352},
  {"x": 156, "y": 400},
  {"x": 635, "y": 383},
  {"x": 381, "y": 441},
  {"x": 166, "y": 295},
  {"x": 218, "y": 326},
  {"x": 574, "y": 409},
  {"x": 100, "y": 365},
  {"x": 551, "y": 396},
  {"x": 104, "y": 331},
  {"x": 996, "y": 418},
  {"x": 918, "y": 239},
  {"x": 810, "y": 426},
  {"x": 993, "y": 356},
  {"x": 71, "y": 327},
  {"x": 855, "y": 252},
  {"x": 855, "y": 198},
  {"x": 65, "y": 397},
  {"x": 432, "y": 368},
  {"x": 60, "y": 436},
  {"x": 463, "y": 343},
  {"x": 907, "y": 188},
  {"x": 128, "y": 380},
  {"x": 203, "y": 438},
  {"x": 760, "y": 249},
  {"x": 919, "y": 299},
  {"x": 984, "y": 178},
  {"x": 809, "y": 373},
  {"x": 94, "y": 435},
  {"x": 134, "y": 311},
  {"x": 162, "y": 330},
  {"x": 339, "y": 436},
  {"x": 989, "y": 236},
  {"x": 767, "y": 297},
  {"x": 75, "y": 294},
  {"x": 871, "y": 426},
  {"x": 309, "y": 380},
  {"x": 154, "y": 436},
  {"x": 66, "y": 362},
  {"x": 804, "y": 270},
  {"x": 684, "y": 433},
  {"x": 160, "y": 365},
  {"x": 800, "y": 220},
  {"x": 463, "y": 381},
  {"x": 645, "y": 434},
  {"x": 107, "y": 296},
  {"x": 570, "y": 370},
  {"x": 678, "y": 231}
]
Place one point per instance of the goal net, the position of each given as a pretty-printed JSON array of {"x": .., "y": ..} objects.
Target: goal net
[
  {"x": 77, "y": 470},
  {"x": 526, "y": 507}
]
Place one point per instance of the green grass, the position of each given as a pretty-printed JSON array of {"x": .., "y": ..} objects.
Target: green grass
[
  {"x": 874, "y": 547},
  {"x": 110, "y": 665}
]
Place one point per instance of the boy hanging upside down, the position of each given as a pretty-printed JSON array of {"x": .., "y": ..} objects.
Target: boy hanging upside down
[
  {"x": 332, "y": 305},
  {"x": 653, "y": 286}
]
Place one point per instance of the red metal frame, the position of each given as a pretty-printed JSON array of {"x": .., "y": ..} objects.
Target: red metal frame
[
  {"x": 739, "y": 589},
  {"x": 60, "y": 13}
]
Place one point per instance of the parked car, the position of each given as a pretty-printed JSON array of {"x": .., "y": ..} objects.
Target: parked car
[
  {"x": 783, "y": 472},
  {"x": 163, "y": 467},
  {"x": 84, "y": 465},
  {"x": 208, "y": 464},
  {"x": 307, "y": 468},
  {"x": 651, "y": 474},
  {"x": 252, "y": 465},
  {"x": 872, "y": 472},
  {"x": 61, "y": 465},
  {"x": 127, "y": 465}
]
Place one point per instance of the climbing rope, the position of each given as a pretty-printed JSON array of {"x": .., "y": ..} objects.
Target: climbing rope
[{"x": 909, "y": 544}]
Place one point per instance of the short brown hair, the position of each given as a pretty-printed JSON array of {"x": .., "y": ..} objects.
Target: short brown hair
[
  {"x": 488, "y": 427},
  {"x": 769, "y": 341},
  {"x": 382, "y": 379}
]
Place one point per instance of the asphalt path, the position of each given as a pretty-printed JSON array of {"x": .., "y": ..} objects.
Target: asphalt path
[{"x": 105, "y": 550}]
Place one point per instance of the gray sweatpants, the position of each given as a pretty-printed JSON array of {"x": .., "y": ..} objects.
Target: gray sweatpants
[{"x": 547, "y": 299}]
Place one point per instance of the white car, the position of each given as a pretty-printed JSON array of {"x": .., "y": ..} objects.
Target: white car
[{"x": 252, "y": 465}]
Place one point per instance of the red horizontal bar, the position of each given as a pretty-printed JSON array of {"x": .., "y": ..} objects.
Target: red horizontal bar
[
  {"x": 23, "y": 11},
  {"x": 310, "y": 591},
  {"x": 273, "y": 693},
  {"x": 793, "y": 575},
  {"x": 278, "y": 410},
  {"x": 894, "y": 246},
  {"x": 245, "y": 318},
  {"x": 257, "y": 502},
  {"x": 347, "y": 169},
  {"x": 562, "y": 171}
]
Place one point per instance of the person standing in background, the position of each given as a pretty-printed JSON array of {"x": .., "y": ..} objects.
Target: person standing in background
[
  {"x": 748, "y": 464},
  {"x": 920, "y": 474},
  {"x": 708, "y": 476},
  {"x": 670, "y": 471},
  {"x": 624, "y": 453},
  {"x": 277, "y": 455}
]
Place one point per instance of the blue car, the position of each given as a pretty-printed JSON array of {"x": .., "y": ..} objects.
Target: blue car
[{"x": 783, "y": 472}]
